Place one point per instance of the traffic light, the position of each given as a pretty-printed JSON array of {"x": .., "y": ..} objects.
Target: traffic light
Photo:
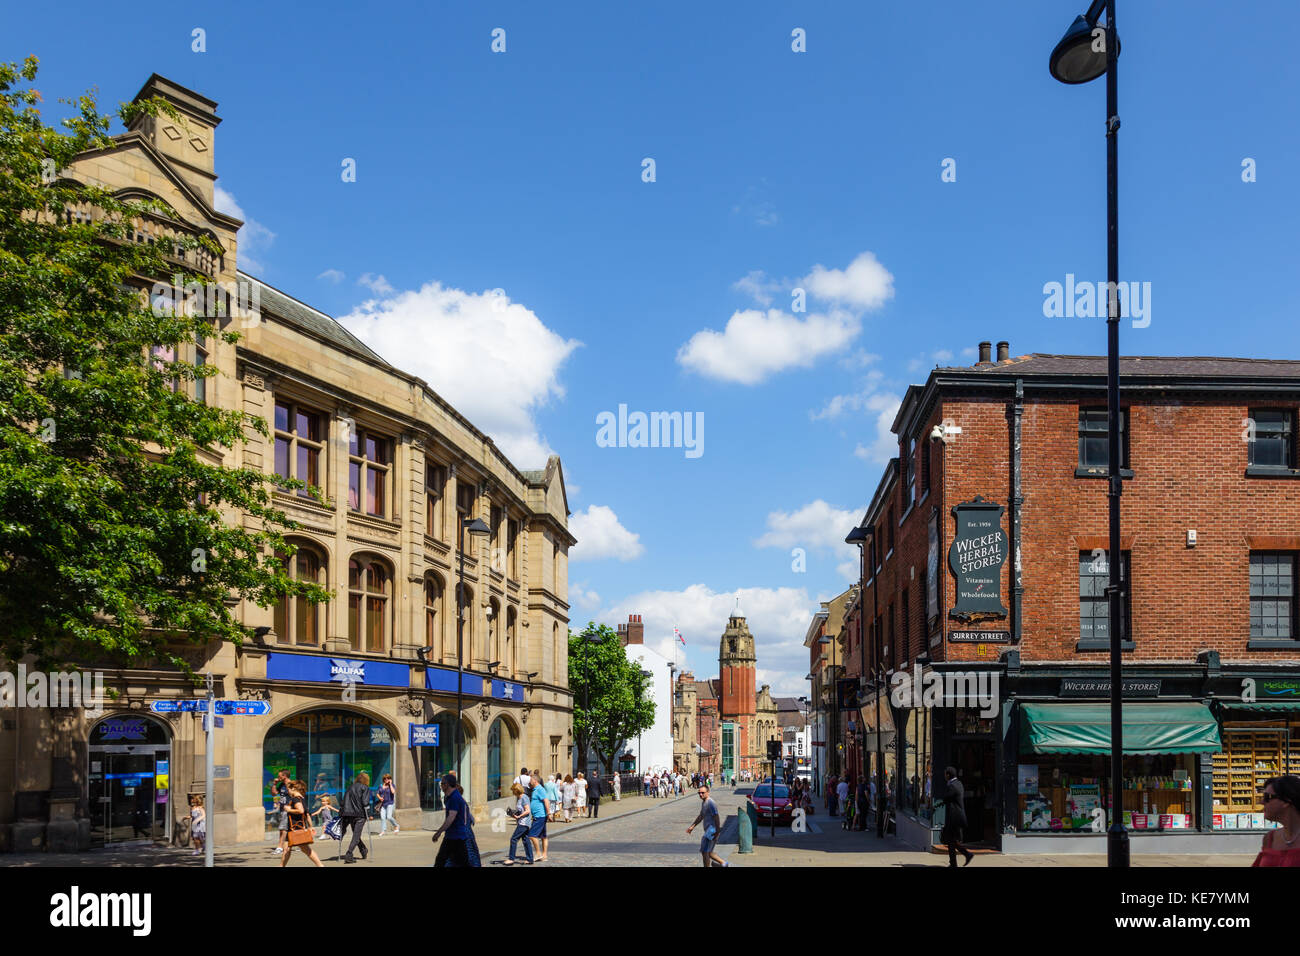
[{"x": 774, "y": 750}]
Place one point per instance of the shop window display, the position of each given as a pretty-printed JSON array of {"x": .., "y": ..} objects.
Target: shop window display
[
  {"x": 326, "y": 749},
  {"x": 1072, "y": 793},
  {"x": 1252, "y": 753}
]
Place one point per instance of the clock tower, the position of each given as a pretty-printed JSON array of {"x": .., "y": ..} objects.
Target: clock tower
[{"x": 736, "y": 701}]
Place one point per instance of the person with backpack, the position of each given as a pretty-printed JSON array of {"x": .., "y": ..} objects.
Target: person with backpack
[{"x": 455, "y": 825}]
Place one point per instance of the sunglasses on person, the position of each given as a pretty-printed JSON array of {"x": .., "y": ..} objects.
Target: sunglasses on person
[{"x": 1273, "y": 796}]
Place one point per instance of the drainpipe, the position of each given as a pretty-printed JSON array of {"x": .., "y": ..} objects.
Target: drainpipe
[{"x": 1017, "y": 499}]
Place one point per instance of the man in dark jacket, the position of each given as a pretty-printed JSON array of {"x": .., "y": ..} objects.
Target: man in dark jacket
[
  {"x": 954, "y": 818},
  {"x": 594, "y": 790},
  {"x": 356, "y": 803}
]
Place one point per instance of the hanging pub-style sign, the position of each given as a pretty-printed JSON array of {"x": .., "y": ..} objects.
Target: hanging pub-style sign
[{"x": 976, "y": 556}]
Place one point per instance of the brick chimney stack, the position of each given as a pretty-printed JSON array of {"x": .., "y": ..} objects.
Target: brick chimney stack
[{"x": 633, "y": 632}]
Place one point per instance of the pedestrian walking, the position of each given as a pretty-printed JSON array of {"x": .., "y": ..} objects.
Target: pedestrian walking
[
  {"x": 553, "y": 796},
  {"x": 280, "y": 798},
  {"x": 570, "y": 794},
  {"x": 388, "y": 804},
  {"x": 524, "y": 779},
  {"x": 864, "y": 802},
  {"x": 353, "y": 813},
  {"x": 455, "y": 825},
  {"x": 712, "y": 821},
  {"x": 954, "y": 818},
  {"x": 594, "y": 790},
  {"x": 198, "y": 823},
  {"x": 326, "y": 812},
  {"x": 539, "y": 805},
  {"x": 580, "y": 787},
  {"x": 300, "y": 832},
  {"x": 523, "y": 817},
  {"x": 1281, "y": 806},
  {"x": 842, "y": 793}
]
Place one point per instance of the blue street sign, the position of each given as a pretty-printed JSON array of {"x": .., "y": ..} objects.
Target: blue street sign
[
  {"x": 423, "y": 735},
  {"x": 243, "y": 708},
  {"x": 177, "y": 706}
]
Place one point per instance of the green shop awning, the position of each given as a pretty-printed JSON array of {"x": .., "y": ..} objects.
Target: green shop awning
[
  {"x": 1165, "y": 727},
  {"x": 1276, "y": 705}
]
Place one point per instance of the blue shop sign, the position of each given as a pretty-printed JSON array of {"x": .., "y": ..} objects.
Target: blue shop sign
[
  {"x": 508, "y": 690},
  {"x": 423, "y": 735},
  {"x": 325, "y": 670},
  {"x": 444, "y": 679}
]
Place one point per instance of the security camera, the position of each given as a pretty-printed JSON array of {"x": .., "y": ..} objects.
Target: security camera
[{"x": 936, "y": 433}]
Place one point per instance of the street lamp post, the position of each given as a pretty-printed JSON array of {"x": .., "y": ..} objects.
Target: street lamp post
[
  {"x": 476, "y": 526},
  {"x": 1076, "y": 59}
]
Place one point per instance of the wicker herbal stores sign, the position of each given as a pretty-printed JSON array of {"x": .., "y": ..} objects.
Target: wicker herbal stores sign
[{"x": 976, "y": 556}]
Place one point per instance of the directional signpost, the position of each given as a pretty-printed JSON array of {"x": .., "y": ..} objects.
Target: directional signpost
[{"x": 212, "y": 710}]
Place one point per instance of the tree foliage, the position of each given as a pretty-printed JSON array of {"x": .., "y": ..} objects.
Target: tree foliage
[
  {"x": 122, "y": 535},
  {"x": 618, "y": 706}
]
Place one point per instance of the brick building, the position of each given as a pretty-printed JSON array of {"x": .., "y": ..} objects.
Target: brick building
[
  {"x": 1009, "y": 495},
  {"x": 722, "y": 725}
]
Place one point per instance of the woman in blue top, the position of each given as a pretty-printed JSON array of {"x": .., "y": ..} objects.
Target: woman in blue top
[{"x": 388, "y": 804}]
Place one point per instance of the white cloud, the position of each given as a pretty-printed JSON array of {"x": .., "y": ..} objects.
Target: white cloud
[
  {"x": 757, "y": 286},
  {"x": 969, "y": 352},
  {"x": 757, "y": 344},
  {"x": 865, "y": 283},
  {"x": 493, "y": 359},
  {"x": 253, "y": 238},
  {"x": 777, "y": 617},
  {"x": 333, "y": 275},
  {"x": 815, "y": 527},
  {"x": 376, "y": 284},
  {"x": 943, "y": 355},
  {"x": 865, "y": 400},
  {"x": 584, "y": 597},
  {"x": 600, "y": 535}
]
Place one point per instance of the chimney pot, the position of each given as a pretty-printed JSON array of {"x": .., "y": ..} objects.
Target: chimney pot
[
  {"x": 1004, "y": 352},
  {"x": 986, "y": 349}
]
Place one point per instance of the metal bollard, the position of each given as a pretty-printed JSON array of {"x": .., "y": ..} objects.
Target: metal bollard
[{"x": 746, "y": 827}]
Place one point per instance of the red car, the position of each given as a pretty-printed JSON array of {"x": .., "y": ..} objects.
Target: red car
[{"x": 768, "y": 806}]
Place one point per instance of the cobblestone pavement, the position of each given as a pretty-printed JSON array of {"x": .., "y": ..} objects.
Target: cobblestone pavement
[{"x": 655, "y": 837}]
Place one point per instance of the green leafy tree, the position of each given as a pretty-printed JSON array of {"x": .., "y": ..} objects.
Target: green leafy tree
[
  {"x": 618, "y": 705},
  {"x": 120, "y": 540}
]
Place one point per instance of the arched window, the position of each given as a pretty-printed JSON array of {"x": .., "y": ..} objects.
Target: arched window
[
  {"x": 297, "y": 620},
  {"x": 502, "y": 765},
  {"x": 436, "y": 761},
  {"x": 555, "y": 651},
  {"x": 433, "y": 614},
  {"x": 509, "y": 662},
  {"x": 369, "y": 585}
]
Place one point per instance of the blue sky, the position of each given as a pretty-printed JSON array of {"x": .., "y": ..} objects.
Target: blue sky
[{"x": 522, "y": 171}]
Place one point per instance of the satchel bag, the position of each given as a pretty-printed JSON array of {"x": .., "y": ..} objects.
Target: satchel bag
[{"x": 302, "y": 834}]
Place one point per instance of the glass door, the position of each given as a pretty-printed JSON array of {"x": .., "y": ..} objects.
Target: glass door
[{"x": 128, "y": 796}]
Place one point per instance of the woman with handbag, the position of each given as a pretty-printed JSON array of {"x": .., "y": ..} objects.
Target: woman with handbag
[{"x": 300, "y": 833}]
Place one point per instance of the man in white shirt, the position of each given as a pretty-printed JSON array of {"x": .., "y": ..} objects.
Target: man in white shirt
[
  {"x": 524, "y": 779},
  {"x": 842, "y": 792}
]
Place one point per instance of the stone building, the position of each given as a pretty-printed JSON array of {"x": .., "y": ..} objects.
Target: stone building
[
  {"x": 723, "y": 725},
  {"x": 402, "y": 471}
]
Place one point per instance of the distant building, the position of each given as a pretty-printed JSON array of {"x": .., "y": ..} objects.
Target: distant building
[
  {"x": 653, "y": 748},
  {"x": 722, "y": 725}
]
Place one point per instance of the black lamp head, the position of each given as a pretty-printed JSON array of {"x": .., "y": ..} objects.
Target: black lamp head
[{"x": 1076, "y": 58}]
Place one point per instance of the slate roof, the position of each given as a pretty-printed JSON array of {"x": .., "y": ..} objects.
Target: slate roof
[
  {"x": 1040, "y": 363},
  {"x": 312, "y": 321}
]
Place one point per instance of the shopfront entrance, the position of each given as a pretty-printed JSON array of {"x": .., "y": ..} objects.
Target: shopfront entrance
[
  {"x": 130, "y": 781},
  {"x": 974, "y": 755}
]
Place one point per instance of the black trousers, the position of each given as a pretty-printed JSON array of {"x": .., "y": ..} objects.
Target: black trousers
[
  {"x": 358, "y": 830},
  {"x": 595, "y": 807},
  {"x": 452, "y": 853},
  {"x": 952, "y": 837}
]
